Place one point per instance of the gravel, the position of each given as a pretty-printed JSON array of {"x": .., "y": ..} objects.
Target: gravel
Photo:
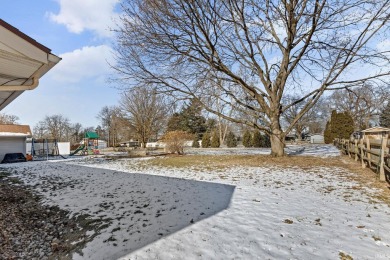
[{"x": 31, "y": 230}]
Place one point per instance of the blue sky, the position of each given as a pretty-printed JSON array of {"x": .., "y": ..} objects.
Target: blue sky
[{"x": 79, "y": 33}]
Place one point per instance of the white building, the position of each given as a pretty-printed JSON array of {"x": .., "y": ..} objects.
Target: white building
[
  {"x": 13, "y": 139},
  {"x": 317, "y": 139}
]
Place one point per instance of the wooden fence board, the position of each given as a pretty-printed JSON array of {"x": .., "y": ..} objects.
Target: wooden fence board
[{"x": 368, "y": 151}]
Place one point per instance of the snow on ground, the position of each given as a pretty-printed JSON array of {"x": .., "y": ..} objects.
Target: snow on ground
[
  {"x": 303, "y": 150},
  {"x": 200, "y": 213}
]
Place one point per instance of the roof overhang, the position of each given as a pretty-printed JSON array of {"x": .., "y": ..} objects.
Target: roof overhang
[{"x": 23, "y": 61}]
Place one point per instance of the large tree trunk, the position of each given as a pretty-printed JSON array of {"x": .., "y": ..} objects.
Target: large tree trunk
[{"x": 277, "y": 139}]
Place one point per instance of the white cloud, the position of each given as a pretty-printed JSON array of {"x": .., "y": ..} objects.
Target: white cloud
[
  {"x": 77, "y": 16},
  {"x": 90, "y": 62}
]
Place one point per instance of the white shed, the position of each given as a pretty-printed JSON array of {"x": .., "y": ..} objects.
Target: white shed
[
  {"x": 13, "y": 139},
  {"x": 317, "y": 139}
]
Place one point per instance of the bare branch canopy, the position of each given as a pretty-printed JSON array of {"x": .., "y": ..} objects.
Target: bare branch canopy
[{"x": 253, "y": 53}]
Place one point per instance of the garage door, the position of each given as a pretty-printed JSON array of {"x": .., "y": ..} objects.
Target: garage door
[{"x": 12, "y": 145}]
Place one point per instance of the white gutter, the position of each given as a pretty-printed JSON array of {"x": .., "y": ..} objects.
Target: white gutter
[{"x": 34, "y": 84}]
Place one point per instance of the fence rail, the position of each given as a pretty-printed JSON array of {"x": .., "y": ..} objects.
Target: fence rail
[{"x": 372, "y": 153}]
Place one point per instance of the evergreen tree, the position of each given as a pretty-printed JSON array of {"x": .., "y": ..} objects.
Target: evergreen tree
[
  {"x": 384, "y": 117},
  {"x": 327, "y": 134},
  {"x": 189, "y": 119},
  {"x": 195, "y": 142},
  {"x": 265, "y": 141},
  {"x": 333, "y": 122},
  {"x": 231, "y": 140},
  {"x": 247, "y": 139},
  {"x": 175, "y": 123},
  {"x": 341, "y": 125},
  {"x": 211, "y": 124},
  {"x": 256, "y": 139},
  {"x": 347, "y": 125},
  {"x": 206, "y": 140},
  {"x": 215, "y": 143}
]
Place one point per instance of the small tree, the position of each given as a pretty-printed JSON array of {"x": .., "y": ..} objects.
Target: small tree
[
  {"x": 345, "y": 125},
  {"x": 231, "y": 140},
  {"x": 384, "y": 118},
  {"x": 340, "y": 126},
  {"x": 206, "y": 140},
  {"x": 145, "y": 112},
  {"x": 265, "y": 141},
  {"x": 247, "y": 139},
  {"x": 256, "y": 139},
  {"x": 327, "y": 134},
  {"x": 175, "y": 141},
  {"x": 215, "y": 143},
  {"x": 8, "y": 119},
  {"x": 195, "y": 142}
]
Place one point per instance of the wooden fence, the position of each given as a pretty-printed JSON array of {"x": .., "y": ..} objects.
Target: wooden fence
[{"x": 373, "y": 153}]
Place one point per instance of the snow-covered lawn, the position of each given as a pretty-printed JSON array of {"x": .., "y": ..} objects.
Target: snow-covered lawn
[{"x": 238, "y": 212}]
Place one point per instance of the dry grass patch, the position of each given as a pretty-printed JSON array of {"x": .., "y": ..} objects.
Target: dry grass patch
[
  {"x": 364, "y": 177},
  {"x": 225, "y": 161}
]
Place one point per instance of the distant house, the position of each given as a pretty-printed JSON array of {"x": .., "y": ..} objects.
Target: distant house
[
  {"x": 130, "y": 143},
  {"x": 13, "y": 139},
  {"x": 317, "y": 139}
]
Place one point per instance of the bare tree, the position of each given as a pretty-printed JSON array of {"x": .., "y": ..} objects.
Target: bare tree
[
  {"x": 112, "y": 123},
  {"x": 8, "y": 119},
  {"x": 145, "y": 111},
  {"x": 311, "y": 122},
  {"x": 363, "y": 103},
  {"x": 54, "y": 126},
  {"x": 260, "y": 50}
]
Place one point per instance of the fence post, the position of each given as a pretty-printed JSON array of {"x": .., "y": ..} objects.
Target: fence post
[
  {"x": 368, "y": 152},
  {"x": 382, "y": 176},
  {"x": 362, "y": 152},
  {"x": 356, "y": 150},
  {"x": 348, "y": 147}
]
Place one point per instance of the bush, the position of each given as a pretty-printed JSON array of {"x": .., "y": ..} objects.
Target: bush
[
  {"x": 231, "y": 140},
  {"x": 265, "y": 141},
  {"x": 247, "y": 139},
  {"x": 195, "y": 142},
  {"x": 327, "y": 134},
  {"x": 256, "y": 139},
  {"x": 175, "y": 141},
  {"x": 341, "y": 125},
  {"x": 215, "y": 143},
  {"x": 206, "y": 140}
]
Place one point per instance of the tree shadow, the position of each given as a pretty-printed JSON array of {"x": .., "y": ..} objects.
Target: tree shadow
[{"x": 141, "y": 208}]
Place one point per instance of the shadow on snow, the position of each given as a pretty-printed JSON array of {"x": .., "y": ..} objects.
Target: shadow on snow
[{"x": 143, "y": 208}]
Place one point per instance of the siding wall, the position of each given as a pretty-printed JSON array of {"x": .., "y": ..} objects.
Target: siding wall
[{"x": 12, "y": 145}]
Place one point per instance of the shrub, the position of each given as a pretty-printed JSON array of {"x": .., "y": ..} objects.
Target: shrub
[
  {"x": 206, "y": 140},
  {"x": 215, "y": 143},
  {"x": 327, "y": 134},
  {"x": 265, "y": 141},
  {"x": 341, "y": 125},
  {"x": 195, "y": 142},
  {"x": 256, "y": 139},
  {"x": 231, "y": 140},
  {"x": 175, "y": 141},
  {"x": 247, "y": 139}
]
